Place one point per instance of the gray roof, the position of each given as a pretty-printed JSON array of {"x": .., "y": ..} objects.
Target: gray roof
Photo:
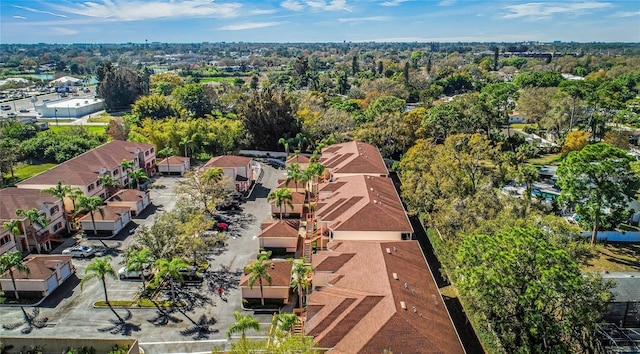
[{"x": 627, "y": 285}]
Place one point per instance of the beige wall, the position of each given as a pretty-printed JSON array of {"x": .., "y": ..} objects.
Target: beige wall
[
  {"x": 297, "y": 209},
  {"x": 268, "y": 291},
  {"x": 290, "y": 243},
  {"x": 367, "y": 235},
  {"x": 135, "y": 207},
  {"x": 39, "y": 285}
]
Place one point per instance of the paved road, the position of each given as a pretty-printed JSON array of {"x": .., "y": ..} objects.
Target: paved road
[
  {"x": 26, "y": 104},
  {"x": 71, "y": 313}
]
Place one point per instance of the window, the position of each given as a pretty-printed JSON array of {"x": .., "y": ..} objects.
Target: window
[
  {"x": 116, "y": 171},
  {"x": 5, "y": 239},
  {"x": 151, "y": 150},
  {"x": 98, "y": 183},
  {"x": 54, "y": 210},
  {"x": 146, "y": 153},
  {"x": 57, "y": 226},
  {"x": 90, "y": 187}
]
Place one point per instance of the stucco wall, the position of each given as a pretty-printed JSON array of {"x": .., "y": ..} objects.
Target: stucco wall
[{"x": 367, "y": 235}]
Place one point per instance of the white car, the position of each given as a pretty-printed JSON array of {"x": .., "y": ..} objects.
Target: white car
[
  {"x": 80, "y": 251},
  {"x": 124, "y": 273}
]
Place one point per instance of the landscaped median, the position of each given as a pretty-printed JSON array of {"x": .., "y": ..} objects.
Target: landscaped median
[{"x": 142, "y": 303}]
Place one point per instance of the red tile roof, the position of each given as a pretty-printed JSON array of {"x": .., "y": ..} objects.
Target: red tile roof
[
  {"x": 174, "y": 161},
  {"x": 280, "y": 274},
  {"x": 362, "y": 203},
  {"x": 12, "y": 199},
  {"x": 280, "y": 228},
  {"x": 227, "y": 161},
  {"x": 85, "y": 168},
  {"x": 293, "y": 185},
  {"x": 353, "y": 158},
  {"x": 297, "y": 158},
  {"x": 40, "y": 266},
  {"x": 111, "y": 213},
  {"x": 361, "y": 312},
  {"x": 127, "y": 195}
]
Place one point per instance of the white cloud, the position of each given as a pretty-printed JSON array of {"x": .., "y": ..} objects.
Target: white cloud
[
  {"x": 124, "y": 10},
  {"x": 19, "y": 17},
  {"x": 543, "y": 11},
  {"x": 31, "y": 9},
  {"x": 62, "y": 31},
  {"x": 292, "y": 5},
  {"x": 249, "y": 25},
  {"x": 626, "y": 14},
  {"x": 392, "y": 2},
  {"x": 333, "y": 5},
  {"x": 364, "y": 19},
  {"x": 263, "y": 12},
  {"x": 446, "y": 2}
]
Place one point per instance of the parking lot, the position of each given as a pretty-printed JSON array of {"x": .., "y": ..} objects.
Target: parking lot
[{"x": 70, "y": 310}]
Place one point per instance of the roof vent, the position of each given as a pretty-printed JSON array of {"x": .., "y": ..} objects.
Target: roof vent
[
  {"x": 389, "y": 250},
  {"x": 415, "y": 310},
  {"x": 406, "y": 285},
  {"x": 395, "y": 276},
  {"x": 395, "y": 249},
  {"x": 375, "y": 201},
  {"x": 403, "y": 305}
]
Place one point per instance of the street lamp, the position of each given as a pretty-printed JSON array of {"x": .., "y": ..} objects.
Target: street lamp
[{"x": 55, "y": 111}]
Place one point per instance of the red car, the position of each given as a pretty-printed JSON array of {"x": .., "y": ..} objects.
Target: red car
[{"x": 221, "y": 226}]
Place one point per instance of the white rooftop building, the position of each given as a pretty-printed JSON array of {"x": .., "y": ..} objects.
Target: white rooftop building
[{"x": 73, "y": 108}]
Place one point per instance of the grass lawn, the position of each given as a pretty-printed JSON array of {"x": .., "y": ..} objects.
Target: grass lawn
[
  {"x": 26, "y": 171},
  {"x": 103, "y": 118},
  {"x": 93, "y": 129},
  {"x": 217, "y": 79},
  {"x": 551, "y": 159},
  {"x": 615, "y": 257},
  {"x": 524, "y": 125}
]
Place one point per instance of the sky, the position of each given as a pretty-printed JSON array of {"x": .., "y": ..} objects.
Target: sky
[{"x": 189, "y": 21}]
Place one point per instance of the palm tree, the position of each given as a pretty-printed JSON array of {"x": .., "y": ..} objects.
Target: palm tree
[
  {"x": 8, "y": 262},
  {"x": 285, "y": 142},
  {"x": 109, "y": 184},
  {"x": 166, "y": 153},
  {"x": 242, "y": 324},
  {"x": 258, "y": 271},
  {"x": 137, "y": 261},
  {"x": 13, "y": 226},
  {"x": 127, "y": 165},
  {"x": 74, "y": 195},
  {"x": 91, "y": 205},
  {"x": 286, "y": 321},
  {"x": 281, "y": 196},
  {"x": 171, "y": 268},
  {"x": 35, "y": 218},
  {"x": 301, "y": 140},
  {"x": 100, "y": 268},
  {"x": 61, "y": 191},
  {"x": 186, "y": 141},
  {"x": 137, "y": 176},
  {"x": 301, "y": 274},
  {"x": 294, "y": 174}
]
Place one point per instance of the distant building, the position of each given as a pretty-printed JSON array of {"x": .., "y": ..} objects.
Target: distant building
[{"x": 73, "y": 108}]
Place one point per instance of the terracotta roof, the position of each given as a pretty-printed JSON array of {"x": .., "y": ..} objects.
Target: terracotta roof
[
  {"x": 362, "y": 203},
  {"x": 354, "y": 158},
  {"x": 85, "y": 168},
  {"x": 127, "y": 195},
  {"x": 111, "y": 213},
  {"x": 12, "y": 199},
  {"x": 297, "y": 158},
  {"x": 227, "y": 161},
  {"x": 280, "y": 228},
  {"x": 361, "y": 311},
  {"x": 40, "y": 266},
  {"x": 280, "y": 274},
  {"x": 297, "y": 198},
  {"x": 174, "y": 160},
  {"x": 293, "y": 185}
]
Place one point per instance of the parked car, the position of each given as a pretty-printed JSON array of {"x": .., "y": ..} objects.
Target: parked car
[
  {"x": 221, "y": 226},
  {"x": 5, "y": 107},
  {"x": 80, "y": 251},
  {"x": 221, "y": 218},
  {"x": 232, "y": 205},
  {"x": 12, "y": 114},
  {"x": 124, "y": 273},
  {"x": 24, "y": 111}
]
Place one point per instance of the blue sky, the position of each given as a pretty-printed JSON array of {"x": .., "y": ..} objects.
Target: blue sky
[{"x": 117, "y": 21}]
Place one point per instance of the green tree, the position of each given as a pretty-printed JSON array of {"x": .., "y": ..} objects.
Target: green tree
[
  {"x": 502, "y": 96},
  {"x": 197, "y": 99},
  {"x": 204, "y": 189},
  {"x": 171, "y": 268},
  {"x": 242, "y": 324},
  {"x": 259, "y": 271},
  {"x": 34, "y": 218},
  {"x": 61, "y": 191},
  {"x": 286, "y": 321},
  {"x": 109, "y": 184},
  {"x": 101, "y": 268},
  {"x": 301, "y": 275},
  {"x": 268, "y": 115},
  {"x": 119, "y": 86},
  {"x": 137, "y": 176},
  {"x": 600, "y": 182},
  {"x": 127, "y": 165},
  {"x": 154, "y": 107},
  {"x": 166, "y": 153},
  {"x": 281, "y": 197},
  {"x": 91, "y": 205},
  {"x": 138, "y": 261},
  {"x": 10, "y": 261},
  {"x": 531, "y": 292},
  {"x": 13, "y": 227}
]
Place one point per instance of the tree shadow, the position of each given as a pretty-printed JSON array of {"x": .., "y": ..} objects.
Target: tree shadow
[
  {"x": 222, "y": 278},
  {"x": 29, "y": 320},
  {"x": 164, "y": 315},
  {"x": 120, "y": 325},
  {"x": 200, "y": 329}
]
